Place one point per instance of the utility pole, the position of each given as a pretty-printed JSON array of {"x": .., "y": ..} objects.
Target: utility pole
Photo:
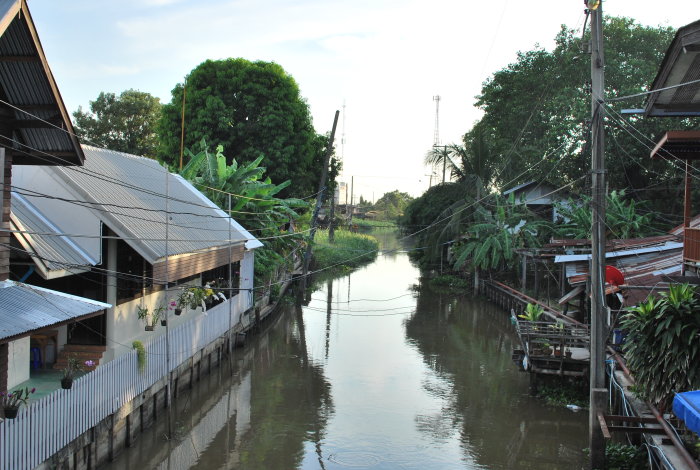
[
  {"x": 319, "y": 199},
  {"x": 331, "y": 228},
  {"x": 597, "y": 392},
  {"x": 352, "y": 198}
]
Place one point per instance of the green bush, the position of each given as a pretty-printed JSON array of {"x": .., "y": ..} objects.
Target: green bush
[
  {"x": 663, "y": 343},
  {"x": 348, "y": 250}
]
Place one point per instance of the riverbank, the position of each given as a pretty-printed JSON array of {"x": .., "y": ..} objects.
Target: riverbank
[{"x": 349, "y": 250}]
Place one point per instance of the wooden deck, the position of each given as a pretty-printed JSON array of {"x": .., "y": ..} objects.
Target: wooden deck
[{"x": 551, "y": 348}]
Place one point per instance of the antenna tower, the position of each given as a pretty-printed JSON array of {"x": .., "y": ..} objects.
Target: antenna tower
[
  {"x": 342, "y": 137},
  {"x": 436, "y": 135}
]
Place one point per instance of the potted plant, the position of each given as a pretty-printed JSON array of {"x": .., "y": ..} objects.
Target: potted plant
[
  {"x": 73, "y": 366},
  {"x": 191, "y": 298},
  {"x": 533, "y": 312},
  {"x": 149, "y": 317},
  {"x": 174, "y": 305},
  {"x": 11, "y": 401}
]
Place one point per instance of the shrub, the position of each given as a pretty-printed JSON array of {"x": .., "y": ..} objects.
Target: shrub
[{"x": 663, "y": 343}]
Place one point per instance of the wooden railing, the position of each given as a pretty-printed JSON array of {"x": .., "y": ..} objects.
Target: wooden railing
[
  {"x": 691, "y": 244},
  {"x": 47, "y": 425}
]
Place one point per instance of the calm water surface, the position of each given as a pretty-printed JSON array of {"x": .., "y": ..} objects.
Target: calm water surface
[{"x": 376, "y": 372}]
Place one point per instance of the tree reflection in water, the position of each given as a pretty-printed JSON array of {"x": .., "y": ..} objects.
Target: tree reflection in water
[{"x": 467, "y": 343}]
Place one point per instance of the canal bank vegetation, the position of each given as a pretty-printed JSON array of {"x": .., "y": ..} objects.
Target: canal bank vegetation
[{"x": 349, "y": 250}]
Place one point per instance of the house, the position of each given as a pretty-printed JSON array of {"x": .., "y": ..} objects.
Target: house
[
  {"x": 35, "y": 129},
  {"x": 119, "y": 230},
  {"x": 541, "y": 198},
  {"x": 677, "y": 79}
]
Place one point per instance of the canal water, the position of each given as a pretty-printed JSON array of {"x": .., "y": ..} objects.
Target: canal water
[{"x": 376, "y": 372}]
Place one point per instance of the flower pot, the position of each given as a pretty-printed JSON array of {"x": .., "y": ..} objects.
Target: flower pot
[
  {"x": 11, "y": 413},
  {"x": 178, "y": 311},
  {"x": 163, "y": 322},
  {"x": 149, "y": 327},
  {"x": 66, "y": 383},
  {"x": 569, "y": 354}
]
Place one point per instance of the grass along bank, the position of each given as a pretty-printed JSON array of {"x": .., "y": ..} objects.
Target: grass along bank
[{"x": 349, "y": 250}]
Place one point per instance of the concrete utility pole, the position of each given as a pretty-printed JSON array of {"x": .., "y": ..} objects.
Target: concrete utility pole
[
  {"x": 319, "y": 197},
  {"x": 598, "y": 393}
]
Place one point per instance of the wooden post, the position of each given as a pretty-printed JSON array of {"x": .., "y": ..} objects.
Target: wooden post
[{"x": 319, "y": 200}]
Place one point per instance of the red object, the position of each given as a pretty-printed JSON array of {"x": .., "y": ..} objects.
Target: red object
[{"x": 613, "y": 276}]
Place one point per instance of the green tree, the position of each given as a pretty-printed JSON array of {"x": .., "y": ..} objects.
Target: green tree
[
  {"x": 126, "y": 123},
  {"x": 392, "y": 204},
  {"x": 536, "y": 112},
  {"x": 253, "y": 109}
]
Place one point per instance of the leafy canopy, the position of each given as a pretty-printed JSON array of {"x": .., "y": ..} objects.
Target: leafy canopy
[
  {"x": 537, "y": 109},
  {"x": 253, "y": 109},
  {"x": 126, "y": 123}
]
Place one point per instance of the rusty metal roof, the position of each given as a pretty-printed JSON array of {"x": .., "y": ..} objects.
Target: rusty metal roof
[{"x": 39, "y": 126}]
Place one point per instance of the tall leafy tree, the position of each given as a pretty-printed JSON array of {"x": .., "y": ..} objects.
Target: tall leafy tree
[
  {"x": 537, "y": 109},
  {"x": 126, "y": 122},
  {"x": 392, "y": 204},
  {"x": 253, "y": 109}
]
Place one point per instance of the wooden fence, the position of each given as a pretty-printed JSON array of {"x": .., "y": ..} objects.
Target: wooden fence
[{"x": 47, "y": 425}]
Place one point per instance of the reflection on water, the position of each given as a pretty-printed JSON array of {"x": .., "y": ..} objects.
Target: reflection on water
[{"x": 376, "y": 372}]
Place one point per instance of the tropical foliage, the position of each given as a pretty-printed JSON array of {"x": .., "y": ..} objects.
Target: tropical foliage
[
  {"x": 533, "y": 312},
  {"x": 492, "y": 240},
  {"x": 624, "y": 217},
  {"x": 254, "y": 203},
  {"x": 662, "y": 347}
]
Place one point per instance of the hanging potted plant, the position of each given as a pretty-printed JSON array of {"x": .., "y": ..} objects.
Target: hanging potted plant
[
  {"x": 73, "y": 366},
  {"x": 150, "y": 318},
  {"x": 11, "y": 401},
  {"x": 174, "y": 305}
]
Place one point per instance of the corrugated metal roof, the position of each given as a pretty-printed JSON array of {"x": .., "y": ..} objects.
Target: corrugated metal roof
[
  {"x": 28, "y": 84},
  {"x": 621, "y": 253},
  {"x": 131, "y": 191},
  {"x": 681, "y": 64},
  {"x": 54, "y": 251},
  {"x": 25, "y": 308}
]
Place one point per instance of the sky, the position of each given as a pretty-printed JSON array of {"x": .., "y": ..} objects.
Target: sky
[{"x": 380, "y": 62}]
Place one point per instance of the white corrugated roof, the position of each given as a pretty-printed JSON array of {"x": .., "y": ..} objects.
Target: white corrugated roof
[
  {"x": 55, "y": 251},
  {"x": 617, "y": 254},
  {"x": 25, "y": 308},
  {"x": 126, "y": 192}
]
